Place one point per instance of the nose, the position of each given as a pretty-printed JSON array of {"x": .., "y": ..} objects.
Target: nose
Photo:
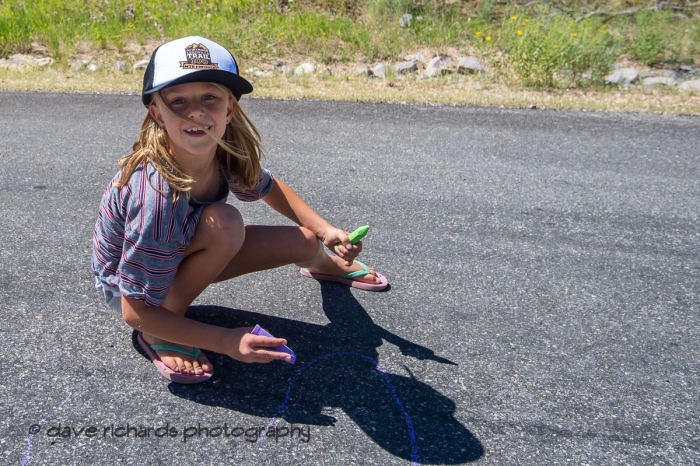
[{"x": 195, "y": 109}]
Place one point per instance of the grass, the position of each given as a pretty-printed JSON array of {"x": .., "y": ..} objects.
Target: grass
[
  {"x": 546, "y": 46},
  {"x": 331, "y": 30},
  {"x": 540, "y": 52},
  {"x": 252, "y": 28},
  {"x": 651, "y": 41}
]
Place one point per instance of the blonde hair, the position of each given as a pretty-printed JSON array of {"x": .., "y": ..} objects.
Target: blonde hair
[{"x": 240, "y": 150}]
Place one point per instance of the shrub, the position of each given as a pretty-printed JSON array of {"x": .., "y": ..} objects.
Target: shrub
[
  {"x": 485, "y": 11},
  {"x": 539, "y": 51},
  {"x": 650, "y": 42}
]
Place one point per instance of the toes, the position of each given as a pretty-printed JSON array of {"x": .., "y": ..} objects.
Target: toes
[
  {"x": 204, "y": 363},
  {"x": 372, "y": 276},
  {"x": 181, "y": 368},
  {"x": 176, "y": 363},
  {"x": 197, "y": 368},
  {"x": 172, "y": 363},
  {"x": 189, "y": 368}
]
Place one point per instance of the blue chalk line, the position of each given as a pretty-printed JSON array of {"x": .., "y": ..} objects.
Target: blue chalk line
[
  {"x": 28, "y": 452},
  {"x": 287, "y": 396}
]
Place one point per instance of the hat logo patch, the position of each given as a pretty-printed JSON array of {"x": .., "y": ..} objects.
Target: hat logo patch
[{"x": 198, "y": 58}]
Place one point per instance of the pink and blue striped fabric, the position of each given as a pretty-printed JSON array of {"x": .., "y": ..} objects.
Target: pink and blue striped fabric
[{"x": 140, "y": 235}]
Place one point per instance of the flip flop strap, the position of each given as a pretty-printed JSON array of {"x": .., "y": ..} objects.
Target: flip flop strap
[
  {"x": 194, "y": 353},
  {"x": 364, "y": 271}
]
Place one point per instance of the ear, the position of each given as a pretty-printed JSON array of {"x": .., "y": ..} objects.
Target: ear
[{"x": 155, "y": 113}]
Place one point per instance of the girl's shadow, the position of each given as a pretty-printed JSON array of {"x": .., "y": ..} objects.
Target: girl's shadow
[{"x": 344, "y": 381}]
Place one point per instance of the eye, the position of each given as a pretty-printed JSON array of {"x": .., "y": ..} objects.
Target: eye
[
  {"x": 177, "y": 101},
  {"x": 209, "y": 97}
]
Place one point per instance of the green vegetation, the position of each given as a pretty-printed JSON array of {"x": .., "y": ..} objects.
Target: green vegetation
[
  {"x": 560, "y": 43},
  {"x": 540, "y": 51},
  {"x": 652, "y": 38}
]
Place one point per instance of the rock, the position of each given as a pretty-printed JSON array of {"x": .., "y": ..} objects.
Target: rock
[
  {"x": 469, "y": 65},
  {"x": 20, "y": 61},
  {"x": 406, "y": 21},
  {"x": 258, "y": 73},
  {"x": 624, "y": 76},
  {"x": 252, "y": 70},
  {"x": 327, "y": 72},
  {"x": 653, "y": 83},
  {"x": 690, "y": 86},
  {"x": 141, "y": 64},
  {"x": 614, "y": 78},
  {"x": 46, "y": 61},
  {"x": 285, "y": 70},
  {"x": 630, "y": 75},
  {"x": 92, "y": 67},
  {"x": 39, "y": 50},
  {"x": 419, "y": 57},
  {"x": 305, "y": 68},
  {"x": 363, "y": 70},
  {"x": 670, "y": 74},
  {"x": 120, "y": 65},
  {"x": 277, "y": 63},
  {"x": 379, "y": 70},
  {"x": 687, "y": 71},
  {"x": 404, "y": 67},
  {"x": 438, "y": 66},
  {"x": 76, "y": 65}
]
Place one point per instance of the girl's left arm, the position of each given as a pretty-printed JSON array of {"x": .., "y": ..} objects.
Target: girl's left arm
[{"x": 284, "y": 200}]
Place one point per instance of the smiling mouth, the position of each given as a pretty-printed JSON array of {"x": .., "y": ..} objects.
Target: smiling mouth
[{"x": 197, "y": 130}]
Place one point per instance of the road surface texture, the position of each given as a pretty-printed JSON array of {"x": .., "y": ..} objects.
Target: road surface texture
[{"x": 543, "y": 306}]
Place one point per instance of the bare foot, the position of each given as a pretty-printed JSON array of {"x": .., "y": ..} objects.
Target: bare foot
[
  {"x": 180, "y": 362},
  {"x": 336, "y": 266}
]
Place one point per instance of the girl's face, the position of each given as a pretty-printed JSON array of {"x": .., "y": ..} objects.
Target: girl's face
[{"x": 203, "y": 103}]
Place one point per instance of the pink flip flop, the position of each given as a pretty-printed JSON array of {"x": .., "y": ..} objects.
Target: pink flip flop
[
  {"x": 349, "y": 279},
  {"x": 167, "y": 372}
]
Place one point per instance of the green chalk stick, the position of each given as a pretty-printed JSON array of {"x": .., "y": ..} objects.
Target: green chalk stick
[{"x": 356, "y": 235}]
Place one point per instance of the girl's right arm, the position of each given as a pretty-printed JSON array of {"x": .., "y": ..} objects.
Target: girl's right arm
[{"x": 237, "y": 343}]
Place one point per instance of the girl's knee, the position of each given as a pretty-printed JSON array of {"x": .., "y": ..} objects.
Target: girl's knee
[
  {"x": 311, "y": 243},
  {"x": 221, "y": 225}
]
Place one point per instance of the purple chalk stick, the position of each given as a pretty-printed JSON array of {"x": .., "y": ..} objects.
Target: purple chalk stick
[{"x": 258, "y": 330}]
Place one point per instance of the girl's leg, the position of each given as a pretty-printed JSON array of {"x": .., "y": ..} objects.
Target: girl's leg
[
  {"x": 222, "y": 248},
  {"x": 268, "y": 247},
  {"x": 217, "y": 239}
]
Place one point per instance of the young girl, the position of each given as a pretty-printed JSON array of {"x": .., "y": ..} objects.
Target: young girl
[{"x": 164, "y": 231}]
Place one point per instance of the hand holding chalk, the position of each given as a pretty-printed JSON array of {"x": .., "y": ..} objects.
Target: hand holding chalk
[
  {"x": 258, "y": 330},
  {"x": 356, "y": 235}
]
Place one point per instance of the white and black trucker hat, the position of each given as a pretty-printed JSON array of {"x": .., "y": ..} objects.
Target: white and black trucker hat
[{"x": 192, "y": 59}]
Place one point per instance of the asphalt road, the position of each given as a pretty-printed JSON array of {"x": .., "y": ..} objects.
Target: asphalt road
[{"x": 543, "y": 305}]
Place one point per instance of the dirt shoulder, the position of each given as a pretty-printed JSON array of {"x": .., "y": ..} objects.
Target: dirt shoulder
[{"x": 340, "y": 82}]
